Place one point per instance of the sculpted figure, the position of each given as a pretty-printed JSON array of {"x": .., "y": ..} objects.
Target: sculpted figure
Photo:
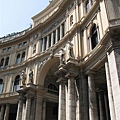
[
  {"x": 31, "y": 76},
  {"x": 23, "y": 77},
  {"x": 70, "y": 48},
  {"x": 62, "y": 59}
]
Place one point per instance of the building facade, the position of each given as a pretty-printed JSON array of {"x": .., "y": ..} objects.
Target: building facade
[{"x": 66, "y": 66}]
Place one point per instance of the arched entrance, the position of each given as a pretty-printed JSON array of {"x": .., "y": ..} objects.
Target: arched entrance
[{"x": 51, "y": 89}]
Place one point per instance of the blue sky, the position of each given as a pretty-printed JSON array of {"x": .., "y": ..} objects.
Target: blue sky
[{"x": 15, "y": 15}]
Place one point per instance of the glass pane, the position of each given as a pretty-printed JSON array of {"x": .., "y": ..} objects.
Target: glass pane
[{"x": 1, "y": 88}]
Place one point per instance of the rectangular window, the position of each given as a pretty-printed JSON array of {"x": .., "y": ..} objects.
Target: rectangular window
[
  {"x": 1, "y": 88},
  {"x": 4, "y": 50},
  {"x": 9, "y": 48},
  {"x": 20, "y": 45},
  {"x": 24, "y": 43}
]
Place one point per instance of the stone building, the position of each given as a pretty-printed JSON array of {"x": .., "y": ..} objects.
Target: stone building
[{"x": 66, "y": 66}]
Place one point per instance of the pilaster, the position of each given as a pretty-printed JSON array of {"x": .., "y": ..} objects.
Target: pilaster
[
  {"x": 93, "y": 111},
  {"x": 71, "y": 96},
  {"x": 62, "y": 96}
]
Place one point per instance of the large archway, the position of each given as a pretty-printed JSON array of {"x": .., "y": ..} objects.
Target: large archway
[
  {"x": 45, "y": 69},
  {"x": 48, "y": 79}
]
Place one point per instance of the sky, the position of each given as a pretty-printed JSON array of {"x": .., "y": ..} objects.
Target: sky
[{"x": 15, "y": 15}]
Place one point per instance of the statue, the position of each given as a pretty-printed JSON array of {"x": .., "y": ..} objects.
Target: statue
[
  {"x": 31, "y": 76},
  {"x": 62, "y": 59},
  {"x": 70, "y": 48},
  {"x": 23, "y": 77}
]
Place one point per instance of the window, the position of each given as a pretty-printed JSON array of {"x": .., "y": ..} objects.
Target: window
[
  {"x": 49, "y": 40},
  {"x": 1, "y": 86},
  {"x": 54, "y": 37},
  {"x": 6, "y": 61},
  {"x": 2, "y": 63},
  {"x": 16, "y": 83},
  {"x": 35, "y": 36},
  {"x": 58, "y": 33},
  {"x": 24, "y": 43},
  {"x": 87, "y": 6},
  {"x": 9, "y": 48},
  {"x": 71, "y": 20},
  {"x": 4, "y": 50},
  {"x": 63, "y": 29},
  {"x": 52, "y": 89},
  {"x": 20, "y": 45},
  {"x": 94, "y": 36},
  {"x": 23, "y": 57},
  {"x": 18, "y": 59}
]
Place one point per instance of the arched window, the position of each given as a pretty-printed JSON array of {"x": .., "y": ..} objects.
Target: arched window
[
  {"x": 18, "y": 59},
  {"x": 71, "y": 20},
  {"x": 52, "y": 89},
  {"x": 94, "y": 36},
  {"x": 2, "y": 63},
  {"x": 16, "y": 83},
  {"x": 23, "y": 57},
  {"x": 87, "y": 6},
  {"x": 6, "y": 61},
  {"x": 1, "y": 86}
]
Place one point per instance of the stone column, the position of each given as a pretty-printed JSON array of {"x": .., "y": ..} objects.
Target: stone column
[
  {"x": 44, "y": 110},
  {"x": 56, "y": 35},
  {"x": 43, "y": 44},
  {"x": 101, "y": 105},
  {"x": 52, "y": 39},
  {"x": 2, "y": 112},
  {"x": 20, "y": 107},
  {"x": 62, "y": 96},
  {"x": 38, "y": 115},
  {"x": 28, "y": 107},
  {"x": 71, "y": 97},
  {"x": 61, "y": 32},
  {"x": 47, "y": 42},
  {"x": 93, "y": 112},
  {"x": 7, "y": 110},
  {"x": 62, "y": 100},
  {"x": 110, "y": 94}
]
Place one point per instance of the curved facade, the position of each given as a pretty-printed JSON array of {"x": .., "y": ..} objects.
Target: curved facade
[{"x": 66, "y": 66}]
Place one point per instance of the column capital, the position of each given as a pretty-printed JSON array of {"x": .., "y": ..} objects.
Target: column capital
[
  {"x": 61, "y": 72},
  {"x": 71, "y": 74},
  {"x": 62, "y": 81},
  {"x": 90, "y": 72}
]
